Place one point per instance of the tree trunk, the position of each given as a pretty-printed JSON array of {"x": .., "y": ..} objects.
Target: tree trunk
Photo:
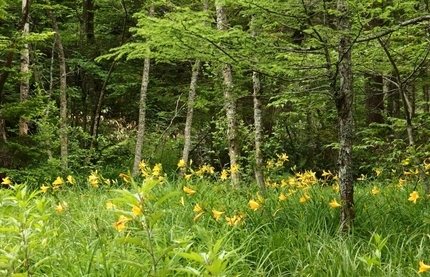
[
  {"x": 258, "y": 124},
  {"x": 229, "y": 105},
  {"x": 25, "y": 63},
  {"x": 88, "y": 20},
  {"x": 344, "y": 99},
  {"x": 190, "y": 110},
  {"x": 142, "y": 111},
  {"x": 63, "y": 93},
  {"x": 142, "y": 116},
  {"x": 190, "y": 106}
]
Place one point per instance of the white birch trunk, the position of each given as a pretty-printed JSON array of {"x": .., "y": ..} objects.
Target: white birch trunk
[
  {"x": 190, "y": 111},
  {"x": 142, "y": 111}
]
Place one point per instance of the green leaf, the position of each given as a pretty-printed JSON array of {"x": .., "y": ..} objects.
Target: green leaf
[
  {"x": 191, "y": 256},
  {"x": 165, "y": 197}
]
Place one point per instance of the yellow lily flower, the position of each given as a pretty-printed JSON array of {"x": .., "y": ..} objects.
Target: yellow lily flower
[
  {"x": 254, "y": 205},
  {"x": 44, "y": 188},
  {"x": 181, "y": 163},
  {"x": 6, "y": 181},
  {"x": 217, "y": 214},
  {"x": 333, "y": 204},
  {"x": 413, "y": 197},
  {"x": 188, "y": 191},
  {"x": 423, "y": 267}
]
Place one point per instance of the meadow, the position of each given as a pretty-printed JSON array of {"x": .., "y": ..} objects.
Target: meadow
[{"x": 197, "y": 225}]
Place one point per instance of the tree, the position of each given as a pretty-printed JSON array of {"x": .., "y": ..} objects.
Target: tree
[
  {"x": 190, "y": 105},
  {"x": 229, "y": 104},
  {"x": 344, "y": 96},
  {"x": 25, "y": 63},
  {"x": 142, "y": 110},
  {"x": 63, "y": 92}
]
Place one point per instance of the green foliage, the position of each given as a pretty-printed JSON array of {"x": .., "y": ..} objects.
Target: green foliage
[{"x": 201, "y": 227}]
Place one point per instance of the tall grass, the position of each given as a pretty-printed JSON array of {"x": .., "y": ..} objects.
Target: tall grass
[{"x": 293, "y": 236}]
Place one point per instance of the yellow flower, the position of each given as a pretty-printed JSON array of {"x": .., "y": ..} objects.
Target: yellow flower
[
  {"x": 70, "y": 179},
  {"x": 304, "y": 198},
  {"x": 157, "y": 169},
  {"x": 283, "y": 157},
  {"x": 326, "y": 174},
  {"x": 282, "y": 197},
  {"x": 336, "y": 187},
  {"x": 120, "y": 224},
  {"x": 59, "y": 181},
  {"x": 197, "y": 216},
  {"x": 377, "y": 172},
  {"x": 234, "y": 168},
  {"x": 61, "y": 207},
  {"x": 361, "y": 178},
  {"x": 217, "y": 214},
  {"x": 375, "y": 190},
  {"x": 423, "y": 267},
  {"x": 94, "y": 179},
  {"x": 333, "y": 204},
  {"x": 125, "y": 177},
  {"x": 224, "y": 175},
  {"x": 413, "y": 197},
  {"x": 189, "y": 191},
  {"x": 230, "y": 220},
  {"x": 188, "y": 176},
  {"x": 6, "y": 181},
  {"x": 181, "y": 163},
  {"x": 110, "y": 205},
  {"x": 254, "y": 205},
  {"x": 44, "y": 188},
  {"x": 197, "y": 208},
  {"x": 235, "y": 220},
  {"x": 136, "y": 210},
  {"x": 142, "y": 165}
]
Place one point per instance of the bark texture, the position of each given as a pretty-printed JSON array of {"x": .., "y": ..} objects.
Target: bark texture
[
  {"x": 190, "y": 111},
  {"x": 24, "y": 88},
  {"x": 229, "y": 105},
  {"x": 344, "y": 99}
]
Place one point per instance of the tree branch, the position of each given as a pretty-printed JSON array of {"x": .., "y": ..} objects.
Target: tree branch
[{"x": 395, "y": 28}]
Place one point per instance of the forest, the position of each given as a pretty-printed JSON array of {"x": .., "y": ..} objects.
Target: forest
[{"x": 201, "y": 138}]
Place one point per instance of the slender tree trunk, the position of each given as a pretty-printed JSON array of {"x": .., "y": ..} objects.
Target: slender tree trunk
[
  {"x": 190, "y": 106},
  {"x": 258, "y": 124},
  {"x": 25, "y": 64},
  {"x": 229, "y": 104},
  {"x": 344, "y": 99},
  {"x": 8, "y": 64},
  {"x": 142, "y": 116},
  {"x": 88, "y": 20},
  {"x": 142, "y": 110},
  {"x": 190, "y": 110},
  {"x": 63, "y": 93}
]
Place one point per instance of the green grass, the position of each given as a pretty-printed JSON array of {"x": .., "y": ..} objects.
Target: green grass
[{"x": 390, "y": 236}]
